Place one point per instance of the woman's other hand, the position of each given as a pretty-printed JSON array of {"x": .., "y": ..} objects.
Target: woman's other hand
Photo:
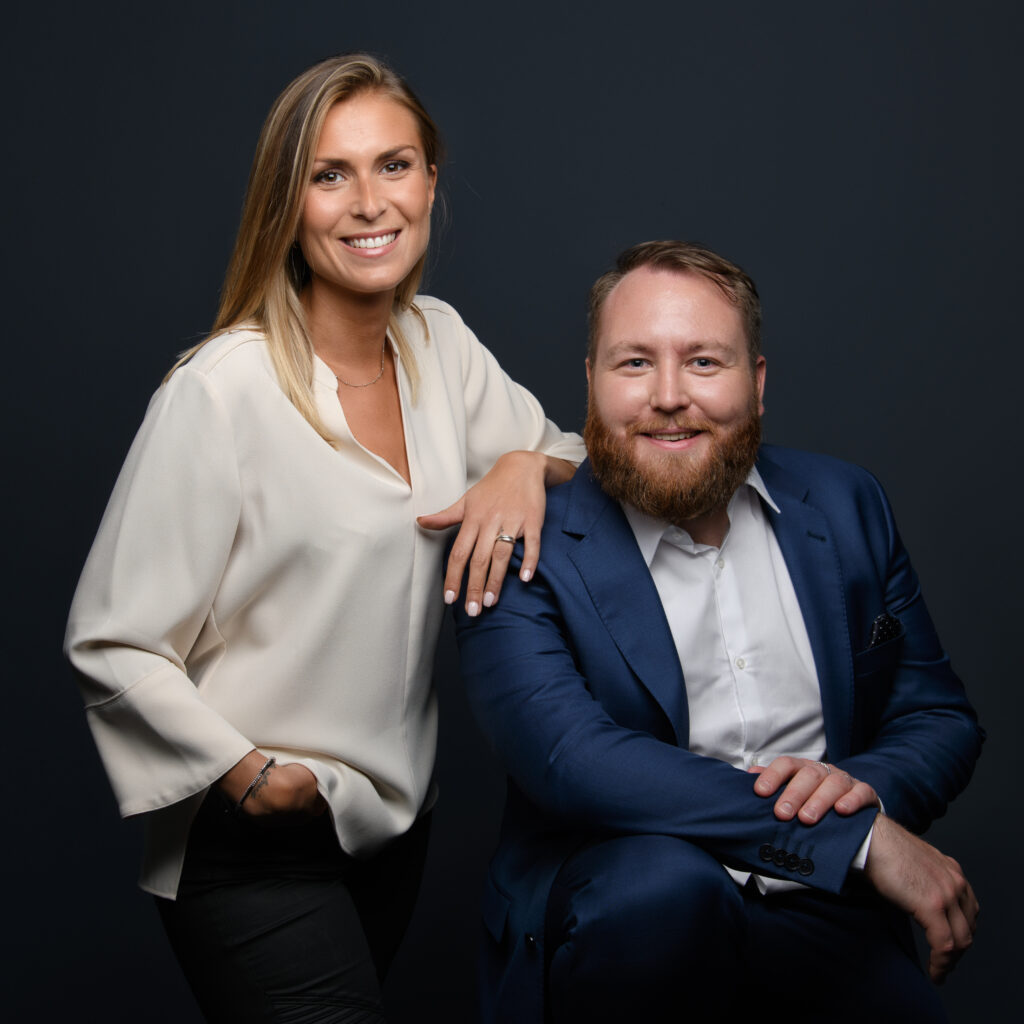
[
  {"x": 508, "y": 502},
  {"x": 284, "y": 792}
]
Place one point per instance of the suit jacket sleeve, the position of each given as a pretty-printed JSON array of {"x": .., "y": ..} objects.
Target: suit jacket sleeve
[
  {"x": 916, "y": 737},
  {"x": 588, "y": 746}
]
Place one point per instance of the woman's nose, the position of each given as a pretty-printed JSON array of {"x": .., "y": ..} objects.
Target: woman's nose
[{"x": 369, "y": 202}]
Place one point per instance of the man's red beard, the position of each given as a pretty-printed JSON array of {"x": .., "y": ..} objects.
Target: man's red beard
[{"x": 673, "y": 486}]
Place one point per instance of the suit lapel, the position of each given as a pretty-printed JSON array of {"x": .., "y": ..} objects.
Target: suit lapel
[
  {"x": 624, "y": 596},
  {"x": 812, "y": 558}
]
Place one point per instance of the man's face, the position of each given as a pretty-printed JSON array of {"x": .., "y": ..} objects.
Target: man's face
[{"x": 674, "y": 416}]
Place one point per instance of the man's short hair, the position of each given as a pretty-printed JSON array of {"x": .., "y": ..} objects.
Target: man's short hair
[{"x": 685, "y": 258}]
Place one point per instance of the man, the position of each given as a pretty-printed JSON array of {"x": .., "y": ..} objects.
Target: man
[{"x": 706, "y": 609}]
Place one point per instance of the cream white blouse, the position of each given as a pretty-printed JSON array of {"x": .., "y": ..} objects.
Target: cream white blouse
[{"x": 250, "y": 586}]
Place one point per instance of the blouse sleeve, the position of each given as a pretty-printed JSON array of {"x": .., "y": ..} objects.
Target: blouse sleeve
[
  {"x": 502, "y": 416},
  {"x": 146, "y": 595}
]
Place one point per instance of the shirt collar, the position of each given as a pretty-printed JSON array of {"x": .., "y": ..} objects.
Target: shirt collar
[{"x": 648, "y": 530}]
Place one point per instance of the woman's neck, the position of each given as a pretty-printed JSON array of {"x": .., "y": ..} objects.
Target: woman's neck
[{"x": 346, "y": 328}]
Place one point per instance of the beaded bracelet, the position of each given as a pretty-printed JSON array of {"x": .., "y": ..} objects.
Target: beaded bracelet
[{"x": 270, "y": 762}]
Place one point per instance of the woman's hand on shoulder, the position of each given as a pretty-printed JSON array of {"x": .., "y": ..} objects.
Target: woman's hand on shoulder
[
  {"x": 282, "y": 792},
  {"x": 508, "y": 503}
]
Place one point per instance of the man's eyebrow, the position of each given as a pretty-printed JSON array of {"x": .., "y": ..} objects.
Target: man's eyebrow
[{"x": 618, "y": 348}]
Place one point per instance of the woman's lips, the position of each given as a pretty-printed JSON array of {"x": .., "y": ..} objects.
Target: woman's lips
[{"x": 370, "y": 242}]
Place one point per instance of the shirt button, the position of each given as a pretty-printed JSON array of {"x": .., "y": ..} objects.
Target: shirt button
[
  {"x": 741, "y": 662},
  {"x": 720, "y": 564}
]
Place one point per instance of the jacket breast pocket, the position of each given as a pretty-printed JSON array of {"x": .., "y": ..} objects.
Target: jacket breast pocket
[{"x": 882, "y": 658}]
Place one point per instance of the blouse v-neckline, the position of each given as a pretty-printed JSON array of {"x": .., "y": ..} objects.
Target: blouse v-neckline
[{"x": 332, "y": 413}]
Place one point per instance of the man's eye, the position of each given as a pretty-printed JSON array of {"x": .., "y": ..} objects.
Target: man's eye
[
  {"x": 703, "y": 363},
  {"x": 636, "y": 364}
]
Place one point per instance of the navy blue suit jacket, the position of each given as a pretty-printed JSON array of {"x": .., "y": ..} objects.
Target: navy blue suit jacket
[{"x": 574, "y": 677}]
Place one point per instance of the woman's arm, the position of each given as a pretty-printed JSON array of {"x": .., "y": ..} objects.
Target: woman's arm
[
  {"x": 145, "y": 597},
  {"x": 513, "y": 452},
  {"x": 262, "y": 789}
]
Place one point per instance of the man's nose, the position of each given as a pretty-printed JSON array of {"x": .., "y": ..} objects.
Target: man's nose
[{"x": 669, "y": 390}]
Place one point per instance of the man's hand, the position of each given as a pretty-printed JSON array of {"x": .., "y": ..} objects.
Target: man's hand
[
  {"x": 814, "y": 788},
  {"x": 928, "y": 885},
  {"x": 285, "y": 792}
]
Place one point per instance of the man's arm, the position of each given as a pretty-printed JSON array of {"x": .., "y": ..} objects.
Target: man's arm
[
  {"x": 928, "y": 885},
  {"x": 922, "y": 737},
  {"x": 579, "y": 735}
]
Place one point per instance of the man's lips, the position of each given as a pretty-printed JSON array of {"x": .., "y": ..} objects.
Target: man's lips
[
  {"x": 666, "y": 435},
  {"x": 670, "y": 438}
]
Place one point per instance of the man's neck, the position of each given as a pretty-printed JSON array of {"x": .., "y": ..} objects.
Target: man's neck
[{"x": 709, "y": 528}]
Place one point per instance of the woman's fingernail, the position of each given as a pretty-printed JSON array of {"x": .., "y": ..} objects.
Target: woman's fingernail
[
  {"x": 489, "y": 599},
  {"x": 526, "y": 575},
  {"x": 472, "y": 609},
  {"x": 449, "y": 597}
]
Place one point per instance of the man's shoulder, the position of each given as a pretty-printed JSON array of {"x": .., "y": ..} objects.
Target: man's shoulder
[
  {"x": 812, "y": 469},
  {"x": 850, "y": 497},
  {"x": 574, "y": 506}
]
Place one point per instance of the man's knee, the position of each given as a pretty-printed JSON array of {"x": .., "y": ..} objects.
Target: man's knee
[{"x": 635, "y": 912}]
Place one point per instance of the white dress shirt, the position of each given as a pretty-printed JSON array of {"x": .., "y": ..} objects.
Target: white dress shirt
[
  {"x": 751, "y": 685},
  {"x": 251, "y": 586}
]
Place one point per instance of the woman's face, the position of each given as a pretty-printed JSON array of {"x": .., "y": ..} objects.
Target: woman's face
[{"x": 366, "y": 214}]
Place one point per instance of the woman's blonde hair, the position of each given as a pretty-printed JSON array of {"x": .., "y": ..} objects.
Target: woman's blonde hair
[{"x": 267, "y": 271}]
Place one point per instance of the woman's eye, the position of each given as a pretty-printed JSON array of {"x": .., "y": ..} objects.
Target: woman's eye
[
  {"x": 395, "y": 166},
  {"x": 328, "y": 177}
]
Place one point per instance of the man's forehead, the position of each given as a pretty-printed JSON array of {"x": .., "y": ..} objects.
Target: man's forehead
[
  {"x": 652, "y": 302},
  {"x": 648, "y": 283}
]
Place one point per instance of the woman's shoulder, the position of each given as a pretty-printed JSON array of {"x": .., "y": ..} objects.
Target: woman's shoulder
[
  {"x": 230, "y": 352},
  {"x": 428, "y": 305},
  {"x": 440, "y": 319}
]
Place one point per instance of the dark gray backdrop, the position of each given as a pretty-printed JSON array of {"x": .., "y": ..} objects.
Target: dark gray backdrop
[{"x": 862, "y": 161}]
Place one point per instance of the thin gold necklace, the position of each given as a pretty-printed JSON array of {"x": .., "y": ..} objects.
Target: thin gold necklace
[{"x": 380, "y": 372}]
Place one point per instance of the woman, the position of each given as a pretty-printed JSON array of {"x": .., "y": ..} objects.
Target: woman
[{"x": 255, "y": 626}]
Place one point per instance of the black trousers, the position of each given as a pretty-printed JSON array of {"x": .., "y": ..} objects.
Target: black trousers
[{"x": 277, "y": 924}]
